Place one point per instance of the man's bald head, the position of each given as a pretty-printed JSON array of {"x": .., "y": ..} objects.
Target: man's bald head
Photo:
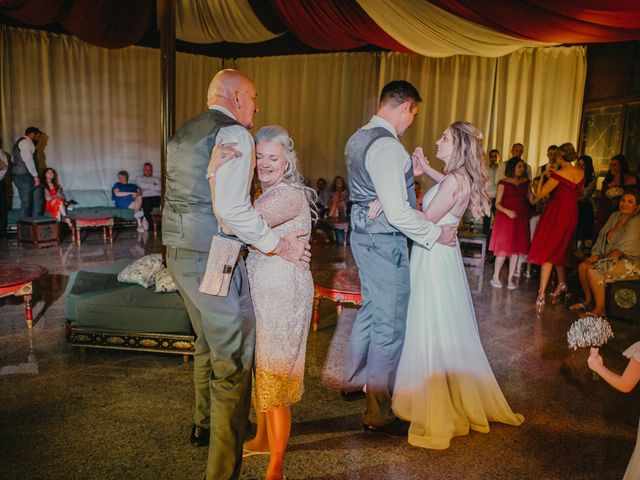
[{"x": 234, "y": 91}]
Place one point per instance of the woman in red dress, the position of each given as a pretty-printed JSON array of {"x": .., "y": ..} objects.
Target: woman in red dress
[
  {"x": 511, "y": 237},
  {"x": 54, "y": 196},
  {"x": 552, "y": 242}
]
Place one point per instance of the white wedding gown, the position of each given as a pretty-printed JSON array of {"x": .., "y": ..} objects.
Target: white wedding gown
[{"x": 444, "y": 385}]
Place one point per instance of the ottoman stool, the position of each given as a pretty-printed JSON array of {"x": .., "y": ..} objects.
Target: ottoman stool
[
  {"x": 105, "y": 313},
  {"x": 39, "y": 231}
]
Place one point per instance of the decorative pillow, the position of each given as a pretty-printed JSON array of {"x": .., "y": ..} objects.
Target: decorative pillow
[
  {"x": 143, "y": 271},
  {"x": 164, "y": 281}
]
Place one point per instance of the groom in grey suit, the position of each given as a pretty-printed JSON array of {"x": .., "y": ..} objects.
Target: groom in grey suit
[
  {"x": 380, "y": 168},
  {"x": 224, "y": 326}
]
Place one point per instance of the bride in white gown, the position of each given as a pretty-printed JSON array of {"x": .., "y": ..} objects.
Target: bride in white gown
[{"x": 445, "y": 385}]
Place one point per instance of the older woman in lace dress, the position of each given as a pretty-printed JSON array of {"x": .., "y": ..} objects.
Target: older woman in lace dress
[{"x": 282, "y": 296}]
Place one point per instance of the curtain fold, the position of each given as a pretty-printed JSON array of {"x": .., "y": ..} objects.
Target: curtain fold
[
  {"x": 433, "y": 32},
  {"x": 105, "y": 23},
  {"x": 452, "y": 88},
  {"x": 587, "y": 21},
  {"x": 333, "y": 24},
  {"x": 100, "y": 108},
  {"x": 320, "y": 99},
  {"x": 36, "y": 12},
  {"x": 203, "y": 21},
  {"x": 109, "y": 23},
  {"x": 538, "y": 100}
]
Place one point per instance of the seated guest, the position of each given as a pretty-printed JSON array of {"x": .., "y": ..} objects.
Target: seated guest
[
  {"x": 323, "y": 194},
  {"x": 151, "y": 188},
  {"x": 616, "y": 182},
  {"x": 338, "y": 200},
  {"x": 615, "y": 256},
  {"x": 54, "y": 197},
  {"x": 128, "y": 195}
]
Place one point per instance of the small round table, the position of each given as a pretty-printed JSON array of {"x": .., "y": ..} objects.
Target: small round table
[
  {"x": 17, "y": 279},
  {"x": 338, "y": 285}
]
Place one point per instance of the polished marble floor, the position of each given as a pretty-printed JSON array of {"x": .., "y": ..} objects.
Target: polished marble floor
[{"x": 126, "y": 415}]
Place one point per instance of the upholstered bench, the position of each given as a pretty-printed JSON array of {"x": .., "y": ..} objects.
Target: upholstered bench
[{"x": 105, "y": 313}]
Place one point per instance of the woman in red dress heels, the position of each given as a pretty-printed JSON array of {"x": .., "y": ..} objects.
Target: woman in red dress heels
[
  {"x": 54, "y": 197},
  {"x": 511, "y": 237},
  {"x": 552, "y": 242}
]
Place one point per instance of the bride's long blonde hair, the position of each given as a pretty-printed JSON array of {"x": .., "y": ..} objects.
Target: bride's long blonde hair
[{"x": 468, "y": 153}]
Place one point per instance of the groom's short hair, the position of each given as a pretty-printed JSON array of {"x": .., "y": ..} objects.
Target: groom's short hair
[{"x": 398, "y": 92}]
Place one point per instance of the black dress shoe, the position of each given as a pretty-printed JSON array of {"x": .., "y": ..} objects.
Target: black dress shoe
[
  {"x": 199, "y": 436},
  {"x": 397, "y": 428},
  {"x": 351, "y": 396}
]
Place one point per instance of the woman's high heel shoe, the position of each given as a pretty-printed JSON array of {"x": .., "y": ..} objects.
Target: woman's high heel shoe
[
  {"x": 540, "y": 300},
  {"x": 561, "y": 291}
]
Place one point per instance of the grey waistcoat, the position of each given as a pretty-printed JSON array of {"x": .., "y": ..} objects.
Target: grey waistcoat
[
  {"x": 361, "y": 189},
  {"x": 18, "y": 166},
  {"x": 187, "y": 216}
]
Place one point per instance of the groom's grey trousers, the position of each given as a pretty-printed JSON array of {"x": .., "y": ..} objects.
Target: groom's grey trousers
[
  {"x": 225, "y": 329},
  {"x": 378, "y": 334}
]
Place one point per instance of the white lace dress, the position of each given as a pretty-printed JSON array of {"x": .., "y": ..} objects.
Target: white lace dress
[
  {"x": 445, "y": 385},
  {"x": 633, "y": 469},
  {"x": 282, "y": 296}
]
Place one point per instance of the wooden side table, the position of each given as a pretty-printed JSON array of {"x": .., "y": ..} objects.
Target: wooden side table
[
  {"x": 473, "y": 247},
  {"x": 39, "y": 231},
  {"x": 81, "y": 221},
  {"x": 340, "y": 286},
  {"x": 17, "y": 279}
]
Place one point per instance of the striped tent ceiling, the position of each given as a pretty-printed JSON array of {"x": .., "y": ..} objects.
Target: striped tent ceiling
[{"x": 435, "y": 28}]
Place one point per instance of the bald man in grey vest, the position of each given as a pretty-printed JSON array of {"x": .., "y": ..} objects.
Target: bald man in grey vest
[
  {"x": 224, "y": 325},
  {"x": 381, "y": 169}
]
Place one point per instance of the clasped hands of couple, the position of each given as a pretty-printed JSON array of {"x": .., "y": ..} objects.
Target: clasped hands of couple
[
  {"x": 449, "y": 232},
  {"x": 289, "y": 247}
]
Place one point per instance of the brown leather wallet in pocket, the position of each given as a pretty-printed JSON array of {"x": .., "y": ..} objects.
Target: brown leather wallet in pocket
[{"x": 222, "y": 260}]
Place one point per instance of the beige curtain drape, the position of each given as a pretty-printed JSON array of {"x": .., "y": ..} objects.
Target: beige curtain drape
[
  {"x": 538, "y": 100},
  {"x": 532, "y": 96},
  {"x": 434, "y": 32},
  {"x": 100, "y": 108},
  {"x": 101, "y": 111},
  {"x": 452, "y": 88},
  {"x": 320, "y": 99},
  {"x": 206, "y": 21}
]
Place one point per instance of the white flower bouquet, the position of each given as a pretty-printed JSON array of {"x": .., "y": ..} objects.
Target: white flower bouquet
[
  {"x": 614, "y": 192},
  {"x": 589, "y": 331}
]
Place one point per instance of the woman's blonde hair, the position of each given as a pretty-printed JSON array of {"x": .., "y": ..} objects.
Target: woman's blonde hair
[{"x": 468, "y": 153}]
